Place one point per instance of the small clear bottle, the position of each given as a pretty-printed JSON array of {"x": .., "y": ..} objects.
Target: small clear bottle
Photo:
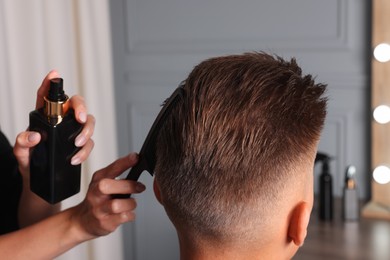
[{"x": 351, "y": 208}]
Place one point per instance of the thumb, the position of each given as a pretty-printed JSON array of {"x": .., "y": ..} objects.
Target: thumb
[{"x": 25, "y": 141}]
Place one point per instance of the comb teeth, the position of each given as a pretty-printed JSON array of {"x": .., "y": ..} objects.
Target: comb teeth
[{"x": 147, "y": 155}]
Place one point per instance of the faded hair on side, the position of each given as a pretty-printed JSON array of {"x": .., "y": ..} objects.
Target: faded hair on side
[{"x": 232, "y": 139}]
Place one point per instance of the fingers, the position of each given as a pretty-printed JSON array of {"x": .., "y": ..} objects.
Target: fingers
[
  {"x": 122, "y": 217},
  {"x": 80, "y": 110},
  {"x": 24, "y": 141},
  {"x": 84, "y": 138},
  {"x": 83, "y": 154},
  {"x": 99, "y": 220},
  {"x": 110, "y": 213},
  {"x": 109, "y": 223},
  {"x": 99, "y": 213},
  {"x": 118, "y": 219},
  {"x": 119, "y": 206},
  {"x": 87, "y": 131},
  {"x": 112, "y": 186},
  {"x": 44, "y": 88},
  {"x": 117, "y": 168},
  {"x": 115, "y": 212},
  {"x": 78, "y": 104}
]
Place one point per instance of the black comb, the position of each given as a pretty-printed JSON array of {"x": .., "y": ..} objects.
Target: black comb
[{"x": 147, "y": 155}]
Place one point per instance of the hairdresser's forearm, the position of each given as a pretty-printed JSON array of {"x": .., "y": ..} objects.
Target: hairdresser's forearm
[
  {"x": 32, "y": 208},
  {"x": 44, "y": 240}
]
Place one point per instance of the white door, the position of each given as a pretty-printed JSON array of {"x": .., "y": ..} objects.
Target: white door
[{"x": 157, "y": 42}]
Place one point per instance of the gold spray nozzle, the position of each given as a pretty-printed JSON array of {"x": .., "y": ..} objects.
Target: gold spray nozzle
[
  {"x": 56, "y": 110},
  {"x": 56, "y": 103}
]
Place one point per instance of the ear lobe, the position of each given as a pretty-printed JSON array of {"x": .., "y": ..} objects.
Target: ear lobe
[
  {"x": 298, "y": 224},
  {"x": 156, "y": 189}
]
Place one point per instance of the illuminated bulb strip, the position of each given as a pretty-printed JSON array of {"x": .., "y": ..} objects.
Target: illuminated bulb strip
[
  {"x": 382, "y": 52},
  {"x": 382, "y": 114},
  {"x": 381, "y": 174}
]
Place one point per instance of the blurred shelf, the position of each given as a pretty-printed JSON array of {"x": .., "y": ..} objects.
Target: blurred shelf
[{"x": 365, "y": 239}]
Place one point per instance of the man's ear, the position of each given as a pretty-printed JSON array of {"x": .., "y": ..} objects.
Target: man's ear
[
  {"x": 156, "y": 189},
  {"x": 298, "y": 224}
]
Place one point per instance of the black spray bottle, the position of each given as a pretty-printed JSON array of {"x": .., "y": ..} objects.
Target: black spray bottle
[
  {"x": 52, "y": 177},
  {"x": 325, "y": 189}
]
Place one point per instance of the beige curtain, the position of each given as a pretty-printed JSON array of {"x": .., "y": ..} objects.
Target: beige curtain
[{"x": 74, "y": 38}]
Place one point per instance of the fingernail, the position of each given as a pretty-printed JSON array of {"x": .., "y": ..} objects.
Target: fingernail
[
  {"x": 75, "y": 160},
  {"x": 33, "y": 137},
  {"x": 80, "y": 140},
  {"x": 140, "y": 187},
  {"x": 133, "y": 156},
  {"x": 54, "y": 73},
  {"x": 83, "y": 117}
]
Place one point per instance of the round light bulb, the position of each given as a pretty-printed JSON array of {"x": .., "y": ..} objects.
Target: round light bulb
[
  {"x": 382, "y": 114},
  {"x": 381, "y": 174},
  {"x": 382, "y": 52}
]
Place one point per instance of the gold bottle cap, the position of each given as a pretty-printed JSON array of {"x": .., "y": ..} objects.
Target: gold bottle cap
[{"x": 55, "y": 111}]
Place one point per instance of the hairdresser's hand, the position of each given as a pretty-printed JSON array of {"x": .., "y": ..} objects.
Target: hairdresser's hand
[
  {"x": 29, "y": 139},
  {"x": 99, "y": 214},
  {"x": 31, "y": 207},
  {"x": 77, "y": 103}
]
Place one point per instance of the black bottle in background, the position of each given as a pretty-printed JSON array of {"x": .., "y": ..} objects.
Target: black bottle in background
[
  {"x": 325, "y": 189},
  {"x": 52, "y": 176}
]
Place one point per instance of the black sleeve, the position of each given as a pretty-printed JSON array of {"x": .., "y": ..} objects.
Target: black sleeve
[{"x": 10, "y": 187}]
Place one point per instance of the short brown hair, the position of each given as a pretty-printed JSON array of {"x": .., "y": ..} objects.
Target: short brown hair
[{"x": 233, "y": 137}]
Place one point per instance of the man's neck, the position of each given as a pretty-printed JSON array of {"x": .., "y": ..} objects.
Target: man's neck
[{"x": 195, "y": 250}]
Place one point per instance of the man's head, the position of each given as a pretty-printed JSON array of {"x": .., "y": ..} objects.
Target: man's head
[{"x": 235, "y": 156}]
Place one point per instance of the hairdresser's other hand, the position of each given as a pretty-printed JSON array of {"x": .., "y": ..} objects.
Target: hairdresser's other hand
[{"x": 99, "y": 214}]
